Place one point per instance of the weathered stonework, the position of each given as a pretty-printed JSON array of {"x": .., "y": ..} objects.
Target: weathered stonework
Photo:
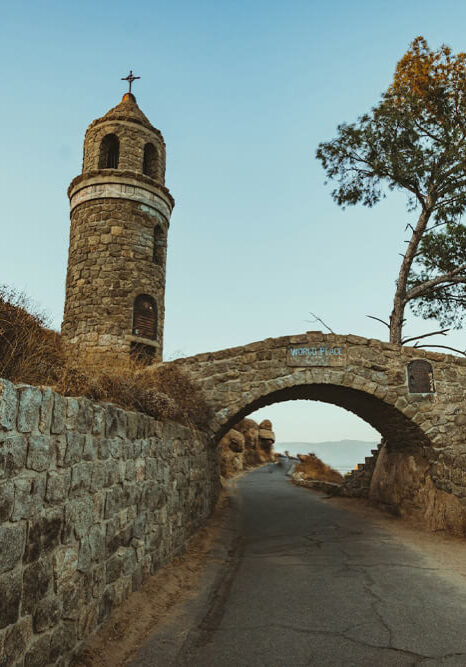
[
  {"x": 93, "y": 499},
  {"x": 424, "y": 454},
  {"x": 118, "y": 237}
]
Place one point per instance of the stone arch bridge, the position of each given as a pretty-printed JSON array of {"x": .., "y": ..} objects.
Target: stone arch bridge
[{"x": 416, "y": 400}]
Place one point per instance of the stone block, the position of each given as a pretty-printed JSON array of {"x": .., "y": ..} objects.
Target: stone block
[
  {"x": 13, "y": 452},
  {"x": 58, "y": 485},
  {"x": 79, "y": 515},
  {"x": 139, "y": 470},
  {"x": 73, "y": 596},
  {"x": 139, "y": 526},
  {"x": 74, "y": 447},
  {"x": 129, "y": 470},
  {"x": 132, "y": 425},
  {"x": 39, "y": 653},
  {"x": 98, "y": 422},
  {"x": 112, "y": 473},
  {"x": 12, "y": 543},
  {"x": 98, "y": 581},
  {"x": 17, "y": 640},
  {"x": 80, "y": 478},
  {"x": 10, "y": 597},
  {"x": 103, "y": 451},
  {"x": 87, "y": 620},
  {"x": 84, "y": 557},
  {"x": 113, "y": 501},
  {"x": 58, "y": 415},
  {"x": 90, "y": 448},
  {"x": 47, "y": 614},
  {"x": 46, "y": 410},
  {"x": 116, "y": 537},
  {"x": 38, "y": 456},
  {"x": 115, "y": 447},
  {"x": 97, "y": 542},
  {"x": 59, "y": 443},
  {"x": 115, "y": 422},
  {"x": 29, "y": 497},
  {"x": 85, "y": 416},
  {"x": 43, "y": 535},
  {"x": 37, "y": 583},
  {"x": 153, "y": 496},
  {"x": 63, "y": 639},
  {"x": 8, "y": 406},
  {"x": 65, "y": 564},
  {"x": 98, "y": 500},
  {"x": 98, "y": 476},
  {"x": 30, "y": 399},
  {"x": 122, "y": 588},
  {"x": 106, "y": 604},
  {"x": 72, "y": 410},
  {"x": 7, "y": 498}
]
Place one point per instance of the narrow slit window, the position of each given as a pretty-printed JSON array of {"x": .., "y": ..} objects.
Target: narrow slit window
[
  {"x": 109, "y": 152},
  {"x": 159, "y": 246},
  {"x": 145, "y": 317},
  {"x": 149, "y": 165}
]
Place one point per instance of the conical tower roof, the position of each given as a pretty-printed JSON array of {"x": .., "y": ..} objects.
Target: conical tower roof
[{"x": 127, "y": 110}]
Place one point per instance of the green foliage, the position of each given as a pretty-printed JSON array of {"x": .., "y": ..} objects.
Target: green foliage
[
  {"x": 442, "y": 253},
  {"x": 414, "y": 140}
]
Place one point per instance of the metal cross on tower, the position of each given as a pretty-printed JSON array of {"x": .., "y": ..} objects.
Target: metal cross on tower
[{"x": 130, "y": 78}]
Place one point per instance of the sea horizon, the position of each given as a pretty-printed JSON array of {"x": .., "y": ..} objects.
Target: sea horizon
[{"x": 342, "y": 455}]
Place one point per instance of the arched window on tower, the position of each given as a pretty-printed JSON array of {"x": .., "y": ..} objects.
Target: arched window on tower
[
  {"x": 159, "y": 246},
  {"x": 145, "y": 317},
  {"x": 109, "y": 152},
  {"x": 150, "y": 161}
]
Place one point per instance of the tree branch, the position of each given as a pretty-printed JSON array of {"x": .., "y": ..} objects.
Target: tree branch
[
  {"x": 451, "y": 277},
  {"x": 379, "y": 320},
  {"x": 317, "y": 319},
  {"x": 442, "y": 332}
]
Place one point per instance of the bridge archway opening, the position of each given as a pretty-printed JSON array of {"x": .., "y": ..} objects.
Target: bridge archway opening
[
  {"x": 398, "y": 430},
  {"x": 338, "y": 437}
]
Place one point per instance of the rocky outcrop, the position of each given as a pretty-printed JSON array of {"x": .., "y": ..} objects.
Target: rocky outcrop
[
  {"x": 246, "y": 445},
  {"x": 403, "y": 483}
]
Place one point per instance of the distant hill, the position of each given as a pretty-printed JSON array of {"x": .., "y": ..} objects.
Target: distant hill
[{"x": 342, "y": 455}]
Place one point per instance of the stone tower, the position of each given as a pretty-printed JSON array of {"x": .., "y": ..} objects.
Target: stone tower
[{"x": 120, "y": 214}]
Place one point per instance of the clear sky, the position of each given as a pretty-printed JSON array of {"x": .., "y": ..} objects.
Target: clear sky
[{"x": 243, "y": 92}]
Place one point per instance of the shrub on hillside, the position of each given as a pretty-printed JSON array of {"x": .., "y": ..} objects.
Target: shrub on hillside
[
  {"x": 34, "y": 354},
  {"x": 311, "y": 467},
  {"x": 30, "y": 352}
]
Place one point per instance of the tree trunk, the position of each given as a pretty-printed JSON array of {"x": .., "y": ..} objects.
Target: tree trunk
[
  {"x": 396, "y": 320},
  {"x": 400, "y": 301}
]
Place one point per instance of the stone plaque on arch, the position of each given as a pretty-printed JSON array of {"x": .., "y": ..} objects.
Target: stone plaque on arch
[
  {"x": 318, "y": 355},
  {"x": 420, "y": 377}
]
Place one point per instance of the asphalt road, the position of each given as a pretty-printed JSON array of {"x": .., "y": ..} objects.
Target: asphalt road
[{"x": 315, "y": 584}]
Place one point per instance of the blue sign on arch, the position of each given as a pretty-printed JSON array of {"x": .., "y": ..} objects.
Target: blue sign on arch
[{"x": 319, "y": 355}]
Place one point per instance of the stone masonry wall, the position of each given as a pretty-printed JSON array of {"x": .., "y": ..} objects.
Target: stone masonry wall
[
  {"x": 93, "y": 499},
  {"x": 111, "y": 242}
]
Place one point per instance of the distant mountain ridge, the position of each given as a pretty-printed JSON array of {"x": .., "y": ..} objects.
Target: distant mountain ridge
[{"x": 345, "y": 442}]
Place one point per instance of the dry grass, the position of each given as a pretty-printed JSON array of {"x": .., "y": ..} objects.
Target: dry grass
[
  {"x": 32, "y": 353},
  {"x": 312, "y": 467},
  {"x": 29, "y": 351}
]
